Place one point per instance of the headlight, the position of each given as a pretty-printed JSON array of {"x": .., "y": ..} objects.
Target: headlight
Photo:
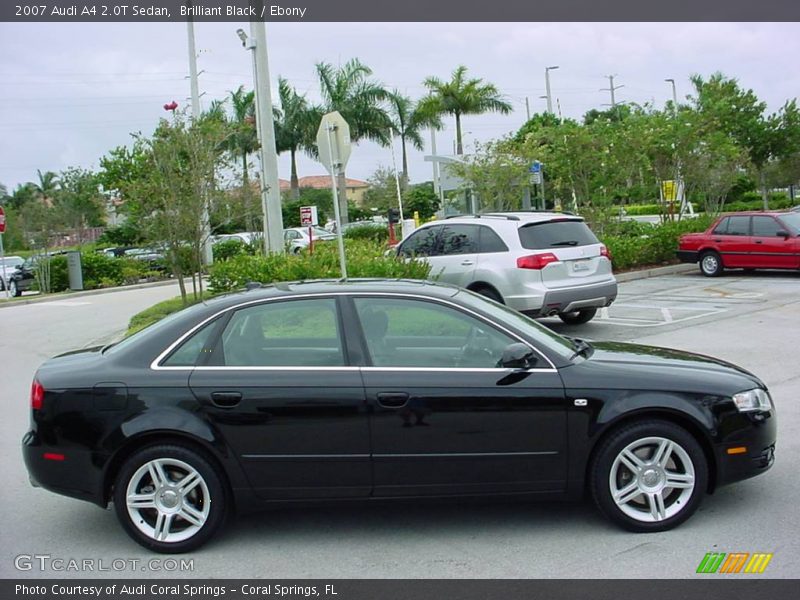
[{"x": 751, "y": 400}]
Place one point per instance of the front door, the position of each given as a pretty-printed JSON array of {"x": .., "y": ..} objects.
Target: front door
[
  {"x": 279, "y": 388},
  {"x": 445, "y": 419},
  {"x": 770, "y": 250}
]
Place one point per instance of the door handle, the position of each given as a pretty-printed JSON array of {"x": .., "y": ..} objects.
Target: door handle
[
  {"x": 467, "y": 263},
  {"x": 226, "y": 399},
  {"x": 759, "y": 241},
  {"x": 392, "y": 399},
  {"x": 717, "y": 240}
]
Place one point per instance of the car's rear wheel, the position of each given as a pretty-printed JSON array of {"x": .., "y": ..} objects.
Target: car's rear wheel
[
  {"x": 169, "y": 498},
  {"x": 649, "y": 476},
  {"x": 711, "y": 264},
  {"x": 490, "y": 293},
  {"x": 13, "y": 289},
  {"x": 577, "y": 317}
]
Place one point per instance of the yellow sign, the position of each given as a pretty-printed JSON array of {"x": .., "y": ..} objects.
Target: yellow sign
[{"x": 669, "y": 190}]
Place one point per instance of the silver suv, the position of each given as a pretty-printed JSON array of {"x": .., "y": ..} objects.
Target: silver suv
[{"x": 539, "y": 263}]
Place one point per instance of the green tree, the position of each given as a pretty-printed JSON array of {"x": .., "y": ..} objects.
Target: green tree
[
  {"x": 351, "y": 90},
  {"x": 462, "y": 96},
  {"x": 382, "y": 192},
  {"x": 408, "y": 119},
  {"x": 46, "y": 185},
  {"x": 79, "y": 199},
  {"x": 241, "y": 141},
  {"x": 421, "y": 199},
  {"x": 296, "y": 123}
]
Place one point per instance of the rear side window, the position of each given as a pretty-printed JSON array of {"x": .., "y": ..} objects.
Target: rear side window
[
  {"x": 460, "y": 239},
  {"x": 195, "y": 346},
  {"x": 556, "y": 234},
  {"x": 490, "y": 241},
  {"x": 421, "y": 243},
  {"x": 738, "y": 226}
]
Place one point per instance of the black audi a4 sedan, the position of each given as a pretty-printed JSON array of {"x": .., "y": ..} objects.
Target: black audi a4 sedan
[{"x": 381, "y": 390}]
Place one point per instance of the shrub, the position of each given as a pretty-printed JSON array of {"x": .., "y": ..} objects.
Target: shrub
[
  {"x": 364, "y": 259},
  {"x": 229, "y": 248},
  {"x": 369, "y": 231},
  {"x": 157, "y": 312}
]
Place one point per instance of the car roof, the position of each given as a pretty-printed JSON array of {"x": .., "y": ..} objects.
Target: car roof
[
  {"x": 757, "y": 213},
  {"x": 517, "y": 218}
]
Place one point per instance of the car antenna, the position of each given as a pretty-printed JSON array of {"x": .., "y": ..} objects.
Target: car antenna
[{"x": 252, "y": 285}]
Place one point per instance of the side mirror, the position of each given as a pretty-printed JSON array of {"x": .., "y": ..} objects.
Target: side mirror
[
  {"x": 784, "y": 234},
  {"x": 518, "y": 356}
]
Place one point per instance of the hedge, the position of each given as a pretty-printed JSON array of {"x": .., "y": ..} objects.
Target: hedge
[
  {"x": 365, "y": 258},
  {"x": 99, "y": 271}
]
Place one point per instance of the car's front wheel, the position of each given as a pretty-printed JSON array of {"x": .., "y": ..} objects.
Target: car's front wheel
[
  {"x": 577, "y": 317},
  {"x": 13, "y": 289},
  {"x": 711, "y": 264},
  {"x": 649, "y": 476},
  {"x": 169, "y": 498}
]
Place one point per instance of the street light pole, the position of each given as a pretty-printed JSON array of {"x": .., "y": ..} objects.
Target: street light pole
[
  {"x": 674, "y": 92},
  {"x": 547, "y": 87},
  {"x": 270, "y": 189}
]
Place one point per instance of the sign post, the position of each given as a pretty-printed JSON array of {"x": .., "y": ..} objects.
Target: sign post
[
  {"x": 2, "y": 251},
  {"x": 309, "y": 218},
  {"x": 333, "y": 145}
]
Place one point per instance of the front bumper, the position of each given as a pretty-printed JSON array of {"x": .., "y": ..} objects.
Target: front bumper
[
  {"x": 687, "y": 256},
  {"x": 758, "y": 436},
  {"x": 574, "y": 298}
]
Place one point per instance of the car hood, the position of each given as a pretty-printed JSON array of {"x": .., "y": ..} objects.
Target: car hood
[{"x": 618, "y": 365}]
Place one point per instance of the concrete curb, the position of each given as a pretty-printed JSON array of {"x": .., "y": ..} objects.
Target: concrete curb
[
  {"x": 655, "y": 272},
  {"x": 70, "y": 295}
]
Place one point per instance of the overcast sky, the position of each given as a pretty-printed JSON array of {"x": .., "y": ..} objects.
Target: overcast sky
[{"x": 72, "y": 92}]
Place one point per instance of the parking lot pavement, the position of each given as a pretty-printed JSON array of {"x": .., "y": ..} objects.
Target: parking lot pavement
[{"x": 750, "y": 319}]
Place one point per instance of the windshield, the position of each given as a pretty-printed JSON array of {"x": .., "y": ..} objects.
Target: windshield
[
  {"x": 11, "y": 261},
  {"x": 542, "y": 337},
  {"x": 792, "y": 220}
]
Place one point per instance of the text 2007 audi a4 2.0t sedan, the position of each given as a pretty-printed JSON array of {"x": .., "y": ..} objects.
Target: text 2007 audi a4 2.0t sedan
[{"x": 384, "y": 390}]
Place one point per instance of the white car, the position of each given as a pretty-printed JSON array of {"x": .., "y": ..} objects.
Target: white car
[
  {"x": 539, "y": 263},
  {"x": 297, "y": 238},
  {"x": 10, "y": 263}
]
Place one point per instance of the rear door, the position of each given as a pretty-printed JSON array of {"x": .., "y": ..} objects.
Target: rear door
[
  {"x": 770, "y": 250},
  {"x": 732, "y": 238},
  {"x": 574, "y": 245},
  {"x": 458, "y": 254}
]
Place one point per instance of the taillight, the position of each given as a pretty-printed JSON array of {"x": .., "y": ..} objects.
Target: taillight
[
  {"x": 605, "y": 252},
  {"x": 536, "y": 261},
  {"x": 37, "y": 395}
]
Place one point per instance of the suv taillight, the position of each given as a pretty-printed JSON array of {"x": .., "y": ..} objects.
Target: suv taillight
[
  {"x": 536, "y": 261},
  {"x": 605, "y": 252},
  {"x": 37, "y": 395}
]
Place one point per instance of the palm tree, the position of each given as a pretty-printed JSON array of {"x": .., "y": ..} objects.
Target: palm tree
[
  {"x": 243, "y": 141},
  {"x": 462, "y": 96},
  {"x": 46, "y": 187},
  {"x": 296, "y": 123},
  {"x": 351, "y": 91},
  {"x": 408, "y": 120}
]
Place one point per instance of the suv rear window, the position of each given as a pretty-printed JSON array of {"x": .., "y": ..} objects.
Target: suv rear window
[{"x": 556, "y": 234}]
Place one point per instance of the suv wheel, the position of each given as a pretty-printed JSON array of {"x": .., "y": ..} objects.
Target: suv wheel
[
  {"x": 489, "y": 293},
  {"x": 649, "y": 476},
  {"x": 169, "y": 498},
  {"x": 711, "y": 264},
  {"x": 578, "y": 317}
]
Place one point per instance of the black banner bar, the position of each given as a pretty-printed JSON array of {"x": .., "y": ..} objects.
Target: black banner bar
[{"x": 401, "y": 11}]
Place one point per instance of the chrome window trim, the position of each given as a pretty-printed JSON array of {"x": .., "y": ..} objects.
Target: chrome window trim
[{"x": 155, "y": 366}]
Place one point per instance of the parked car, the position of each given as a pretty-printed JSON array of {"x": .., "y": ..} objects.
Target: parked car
[
  {"x": 745, "y": 240},
  {"x": 375, "y": 389},
  {"x": 297, "y": 238},
  {"x": 246, "y": 237},
  {"x": 23, "y": 276},
  {"x": 539, "y": 263},
  {"x": 8, "y": 265}
]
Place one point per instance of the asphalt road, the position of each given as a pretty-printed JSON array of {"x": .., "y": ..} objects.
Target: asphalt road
[{"x": 749, "y": 319}]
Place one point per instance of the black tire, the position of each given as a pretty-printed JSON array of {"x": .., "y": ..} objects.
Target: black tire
[
  {"x": 208, "y": 498},
  {"x": 711, "y": 264},
  {"x": 14, "y": 289},
  {"x": 578, "y": 317},
  {"x": 641, "y": 512},
  {"x": 490, "y": 293}
]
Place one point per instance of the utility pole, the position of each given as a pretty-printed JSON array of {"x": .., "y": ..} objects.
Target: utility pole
[
  {"x": 612, "y": 88},
  {"x": 527, "y": 108},
  {"x": 270, "y": 190},
  {"x": 547, "y": 87},
  {"x": 208, "y": 252},
  {"x": 674, "y": 92}
]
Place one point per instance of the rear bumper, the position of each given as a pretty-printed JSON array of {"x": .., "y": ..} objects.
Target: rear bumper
[
  {"x": 574, "y": 298},
  {"x": 687, "y": 256}
]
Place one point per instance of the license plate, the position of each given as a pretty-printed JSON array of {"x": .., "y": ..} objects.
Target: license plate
[{"x": 580, "y": 265}]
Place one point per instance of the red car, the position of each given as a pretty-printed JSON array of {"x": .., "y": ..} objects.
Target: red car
[{"x": 745, "y": 240}]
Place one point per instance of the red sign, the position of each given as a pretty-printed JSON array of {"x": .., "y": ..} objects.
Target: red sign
[
  {"x": 306, "y": 216},
  {"x": 2, "y": 220}
]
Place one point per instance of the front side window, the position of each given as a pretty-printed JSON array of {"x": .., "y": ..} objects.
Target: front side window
[
  {"x": 722, "y": 227},
  {"x": 291, "y": 333},
  {"x": 403, "y": 332},
  {"x": 766, "y": 227},
  {"x": 421, "y": 243}
]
